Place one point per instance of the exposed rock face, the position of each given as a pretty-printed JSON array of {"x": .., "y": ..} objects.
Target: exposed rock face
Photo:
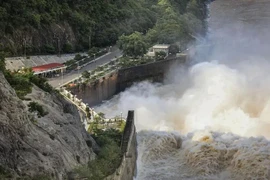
[
  {"x": 38, "y": 38},
  {"x": 51, "y": 145}
]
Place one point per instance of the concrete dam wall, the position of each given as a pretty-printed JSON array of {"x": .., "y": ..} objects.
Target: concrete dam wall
[{"x": 105, "y": 88}]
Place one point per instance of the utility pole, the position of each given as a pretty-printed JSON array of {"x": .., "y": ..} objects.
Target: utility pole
[
  {"x": 24, "y": 41},
  {"x": 62, "y": 71},
  {"x": 122, "y": 139},
  {"x": 89, "y": 39},
  {"x": 78, "y": 67},
  {"x": 58, "y": 42}
]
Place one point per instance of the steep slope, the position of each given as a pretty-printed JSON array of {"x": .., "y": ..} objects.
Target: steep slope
[
  {"x": 44, "y": 26},
  {"x": 49, "y": 26},
  {"x": 51, "y": 145}
]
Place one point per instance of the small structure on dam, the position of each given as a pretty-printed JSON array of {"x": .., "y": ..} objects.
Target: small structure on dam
[{"x": 157, "y": 48}]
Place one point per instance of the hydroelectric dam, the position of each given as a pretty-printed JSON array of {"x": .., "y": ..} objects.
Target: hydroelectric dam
[{"x": 209, "y": 120}]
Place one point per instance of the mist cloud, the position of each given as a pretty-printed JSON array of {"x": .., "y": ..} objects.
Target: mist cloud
[{"x": 216, "y": 103}]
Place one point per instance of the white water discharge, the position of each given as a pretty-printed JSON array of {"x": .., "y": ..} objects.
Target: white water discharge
[
  {"x": 207, "y": 124},
  {"x": 213, "y": 121}
]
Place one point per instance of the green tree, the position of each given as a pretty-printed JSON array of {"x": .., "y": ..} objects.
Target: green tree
[
  {"x": 2, "y": 62},
  {"x": 133, "y": 45},
  {"x": 41, "y": 83},
  {"x": 49, "y": 49},
  {"x": 174, "y": 48},
  {"x": 194, "y": 8},
  {"x": 85, "y": 74},
  {"x": 93, "y": 51},
  {"x": 35, "y": 20},
  {"x": 152, "y": 36},
  {"x": 78, "y": 57},
  {"x": 93, "y": 23},
  {"x": 67, "y": 48},
  {"x": 160, "y": 55}
]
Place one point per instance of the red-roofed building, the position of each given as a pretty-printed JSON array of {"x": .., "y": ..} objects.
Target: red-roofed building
[{"x": 47, "y": 68}]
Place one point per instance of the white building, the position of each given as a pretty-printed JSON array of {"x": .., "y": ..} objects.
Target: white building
[{"x": 157, "y": 48}]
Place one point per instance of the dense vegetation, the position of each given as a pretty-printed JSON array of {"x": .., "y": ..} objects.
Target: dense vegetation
[
  {"x": 42, "y": 26},
  {"x": 177, "y": 23},
  {"x": 108, "y": 158}
]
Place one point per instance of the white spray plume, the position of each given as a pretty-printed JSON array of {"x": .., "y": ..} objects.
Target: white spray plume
[
  {"x": 216, "y": 97},
  {"x": 220, "y": 107}
]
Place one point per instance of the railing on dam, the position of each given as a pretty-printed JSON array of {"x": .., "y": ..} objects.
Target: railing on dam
[{"x": 127, "y": 168}]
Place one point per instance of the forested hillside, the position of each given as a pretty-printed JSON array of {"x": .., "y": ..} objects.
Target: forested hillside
[{"x": 47, "y": 26}]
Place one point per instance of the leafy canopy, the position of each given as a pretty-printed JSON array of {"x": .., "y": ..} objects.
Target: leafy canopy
[{"x": 133, "y": 45}]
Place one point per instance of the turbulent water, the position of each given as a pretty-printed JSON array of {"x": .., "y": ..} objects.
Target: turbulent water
[{"x": 212, "y": 119}]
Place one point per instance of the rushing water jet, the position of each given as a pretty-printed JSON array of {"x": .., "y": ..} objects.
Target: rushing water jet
[{"x": 213, "y": 122}]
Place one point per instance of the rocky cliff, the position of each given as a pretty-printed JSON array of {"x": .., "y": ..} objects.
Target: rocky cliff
[
  {"x": 49, "y": 146},
  {"x": 46, "y": 39}
]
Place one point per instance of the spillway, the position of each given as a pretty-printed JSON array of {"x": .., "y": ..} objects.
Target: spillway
[{"x": 213, "y": 121}]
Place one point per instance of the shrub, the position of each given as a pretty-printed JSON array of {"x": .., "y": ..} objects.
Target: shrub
[
  {"x": 36, "y": 177},
  {"x": 174, "y": 48},
  {"x": 102, "y": 74},
  {"x": 2, "y": 61},
  {"x": 20, "y": 83},
  {"x": 100, "y": 68},
  {"x": 122, "y": 126},
  {"x": 49, "y": 49},
  {"x": 85, "y": 74},
  {"x": 108, "y": 159},
  {"x": 160, "y": 55},
  {"x": 67, "y": 48},
  {"x": 35, "y": 107},
  {"x": 78, "y": 57},
  {"x": 41, "y": 83},
  {"x": 69, "y": 62},
  {"x": 5, "y": 174},
  {"x": 93, "y": 51}
]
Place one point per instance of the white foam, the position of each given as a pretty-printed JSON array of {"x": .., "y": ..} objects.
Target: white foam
[
  {"x": 216, "y": 113},
  {"x": 206, "y": 155},
  {"x": 220, "y": 108}
]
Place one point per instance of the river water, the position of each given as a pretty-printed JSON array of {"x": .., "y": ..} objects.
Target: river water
[{"x": 210, "y": 120}]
